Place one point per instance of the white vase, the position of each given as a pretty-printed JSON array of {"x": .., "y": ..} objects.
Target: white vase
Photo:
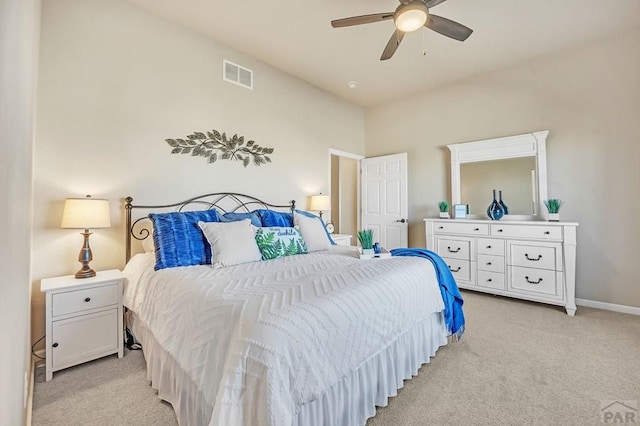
[
  {"x": 554, "y": 217},
  {"x": 444, "y": 215}
]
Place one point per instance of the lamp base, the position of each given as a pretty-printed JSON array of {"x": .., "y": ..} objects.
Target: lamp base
[
  {"x": 85, "y": 257},
  {"x": 85, "y": 273}
]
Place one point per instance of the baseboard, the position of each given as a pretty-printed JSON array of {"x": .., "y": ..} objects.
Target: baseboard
[
  {"x": 633, "y": 310},
  {"x": 30, "y": 393}
]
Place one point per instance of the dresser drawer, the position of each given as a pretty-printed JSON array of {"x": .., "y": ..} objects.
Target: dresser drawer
[
  {"x": 84, "y": 299},
  {"x": 541, "y": 232},
  {"x": 453, "y": 227},
  {"x": 461, "y": 269},
  {"x": 454, "y": 248},
  {"x": 493, "y": 280},
  {"x": 487, "y": 262},
  {"x": 494, "y": 246},
  {"x": 535, "y": 256},
  {"x": 535, "y": 281}
]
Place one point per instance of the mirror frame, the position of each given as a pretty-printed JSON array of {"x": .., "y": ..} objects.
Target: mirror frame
[{"x": 526, "y": 145}]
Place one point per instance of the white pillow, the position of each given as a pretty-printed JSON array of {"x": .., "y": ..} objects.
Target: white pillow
[
  {"x": 312, "y": 232},
  {"x": 231, "y": 243}
]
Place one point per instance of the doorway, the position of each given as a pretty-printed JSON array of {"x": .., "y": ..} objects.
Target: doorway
[{"x": 345, "y": 192}]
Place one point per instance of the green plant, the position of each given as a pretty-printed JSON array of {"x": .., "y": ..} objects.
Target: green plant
[
  {"x": 366, "y": 238},
  {"x": 553, "y": 205},
  {"x": 443, "y": 206}
]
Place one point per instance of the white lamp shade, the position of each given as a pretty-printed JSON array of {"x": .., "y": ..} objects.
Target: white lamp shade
[
  {"x": 320, "y": 202},
  {"x": 86, "y": 213}
]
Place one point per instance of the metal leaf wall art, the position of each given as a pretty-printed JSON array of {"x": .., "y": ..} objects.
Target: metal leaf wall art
[{"x": 214, "y": 146}]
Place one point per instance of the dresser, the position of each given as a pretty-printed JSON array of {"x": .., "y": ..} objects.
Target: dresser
[
  {"x": 531, "y": 260},
  {"x": 84, "y": 319},
  {"x": 342, "y": 239}
]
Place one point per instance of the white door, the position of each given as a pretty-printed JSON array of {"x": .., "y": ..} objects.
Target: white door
[{"x": 384, "y": 199}]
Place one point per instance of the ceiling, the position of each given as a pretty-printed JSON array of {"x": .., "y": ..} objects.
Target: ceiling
[{"x": 296, "y": 37}]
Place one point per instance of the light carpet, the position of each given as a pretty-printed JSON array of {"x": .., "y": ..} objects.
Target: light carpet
[{"x": 518, "y": 363}]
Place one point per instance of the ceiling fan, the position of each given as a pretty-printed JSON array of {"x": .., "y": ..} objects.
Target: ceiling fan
[{"x": 409, "y": 16}]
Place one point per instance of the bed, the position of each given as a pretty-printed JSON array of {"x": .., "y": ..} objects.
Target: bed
[{"x": 306, "y": 339}]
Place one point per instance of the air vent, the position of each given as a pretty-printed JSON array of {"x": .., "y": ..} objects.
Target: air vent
[{"x": 236, "y": 74}]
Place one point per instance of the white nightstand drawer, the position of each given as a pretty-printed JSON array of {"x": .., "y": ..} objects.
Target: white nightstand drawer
[
  {"x": 341, "y": 239},
  {"x": 534, "y": 256},
  {"x": 534, "y": 281},
  {"x": 493, "y": 280},
  {"x": 82, "y": 338},
  {"x": 454, "y": 249},
  {"x": 85, "y": 299},
  {"x": 487, "y": 262},
  {"x": 494, "y": 246},
  {"x": 453, "y": 227}
]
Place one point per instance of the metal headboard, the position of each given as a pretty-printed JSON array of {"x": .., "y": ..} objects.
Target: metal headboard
[{"x": 223, "y": 201}]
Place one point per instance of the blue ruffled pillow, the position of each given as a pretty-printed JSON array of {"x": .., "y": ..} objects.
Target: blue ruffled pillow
[
  {"x": 270, "y": 218},
  {"x": 178, "y": 239},
  {"x": 309, "y": 214},
  {"x": 235, "y": 217}
]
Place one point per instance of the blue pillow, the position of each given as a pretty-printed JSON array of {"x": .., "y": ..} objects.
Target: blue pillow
[
  {"x": 178, "y": 239},
  {"x": 309, "y": 214},
  {"x": 272, "y": 218},
  {"x": 235, "y": 217}
]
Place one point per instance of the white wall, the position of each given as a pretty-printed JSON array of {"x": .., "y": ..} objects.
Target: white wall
[
  {"x": 116, "y": 81},
  {"x": 589, "y": 99},
  {"x": 19, "y": 24}
]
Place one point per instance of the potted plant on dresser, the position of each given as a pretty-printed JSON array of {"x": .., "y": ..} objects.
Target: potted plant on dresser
[
  {"x": 553, "y": 208},
  {"x": 444, "y": 209}
]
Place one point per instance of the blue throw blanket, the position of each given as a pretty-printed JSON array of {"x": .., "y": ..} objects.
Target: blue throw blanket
[{"x": 453, "y": 315}]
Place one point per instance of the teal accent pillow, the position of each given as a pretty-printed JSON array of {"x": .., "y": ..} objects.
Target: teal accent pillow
[
  {"x": 276, "y": 241},
  {"x": 178, "y": 239}
]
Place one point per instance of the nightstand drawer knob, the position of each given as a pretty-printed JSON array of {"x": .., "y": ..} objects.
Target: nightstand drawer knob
[
  {"x": 55, "y": 345},
  {"x": 88, "y": 299}
]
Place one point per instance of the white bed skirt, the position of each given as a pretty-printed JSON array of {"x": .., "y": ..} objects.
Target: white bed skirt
[{"x": 349, "y": 402}]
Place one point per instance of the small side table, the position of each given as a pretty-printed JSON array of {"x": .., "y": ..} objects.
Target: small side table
[
  {"x": 342, "y": 239},
  {"x": 83, "y": 319}
]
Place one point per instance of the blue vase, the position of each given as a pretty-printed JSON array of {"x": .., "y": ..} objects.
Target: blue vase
[
  {"x": 495, "y": 210},
  {"x": 502, "y": 204}
]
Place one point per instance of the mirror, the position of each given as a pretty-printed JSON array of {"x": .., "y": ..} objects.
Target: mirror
[{"x": 516, "y": 165}]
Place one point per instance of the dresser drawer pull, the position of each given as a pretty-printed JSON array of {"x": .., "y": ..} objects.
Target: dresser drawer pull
[
  {"x": 531, "y": 258},
  {"x": 440, "y": 227},
  {"x": 88, "y": 299},
  {"x": 533, "y": 282},
  {"x": 489, "y": 280},
  {"x": 476, "y": 229},
  {"x": 488, "y": 263},
  {"x": 456, "y": 270},
  {"x": 546, "y": 232},
  {"x": 499, "y": 230},
  {"x": 453, "y": 251},
  {"x": 55, "y": 345},
  {"x": 488, "y": 247}
]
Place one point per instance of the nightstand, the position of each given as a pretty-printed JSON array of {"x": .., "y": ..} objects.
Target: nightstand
[
  {"x": 342, "y": 239},
  {"x": 84, "y": 319}
]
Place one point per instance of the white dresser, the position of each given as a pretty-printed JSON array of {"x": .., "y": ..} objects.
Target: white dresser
[{"x": 532, "y": 260}]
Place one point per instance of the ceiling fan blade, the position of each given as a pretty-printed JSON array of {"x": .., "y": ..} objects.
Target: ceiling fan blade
[
  {"x": 432, "y": 3},
  {"x": 392, "y": 45},
  {"x": 359, "y": 20},
  {"x": 447, "y": 27}
]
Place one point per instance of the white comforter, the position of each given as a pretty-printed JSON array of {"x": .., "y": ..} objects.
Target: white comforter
[{"x": 261, "y": 339}]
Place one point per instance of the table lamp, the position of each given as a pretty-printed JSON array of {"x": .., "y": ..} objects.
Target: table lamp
[
  {"x": 320, "y": 203},
  {"x": 85, "y": 213}
]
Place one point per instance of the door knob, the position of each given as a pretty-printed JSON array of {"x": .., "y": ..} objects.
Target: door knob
[{"x": 401, "y": 220}]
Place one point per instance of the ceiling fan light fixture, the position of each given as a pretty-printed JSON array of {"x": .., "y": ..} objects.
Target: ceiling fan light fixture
[{"x": 410, "y": 17}]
